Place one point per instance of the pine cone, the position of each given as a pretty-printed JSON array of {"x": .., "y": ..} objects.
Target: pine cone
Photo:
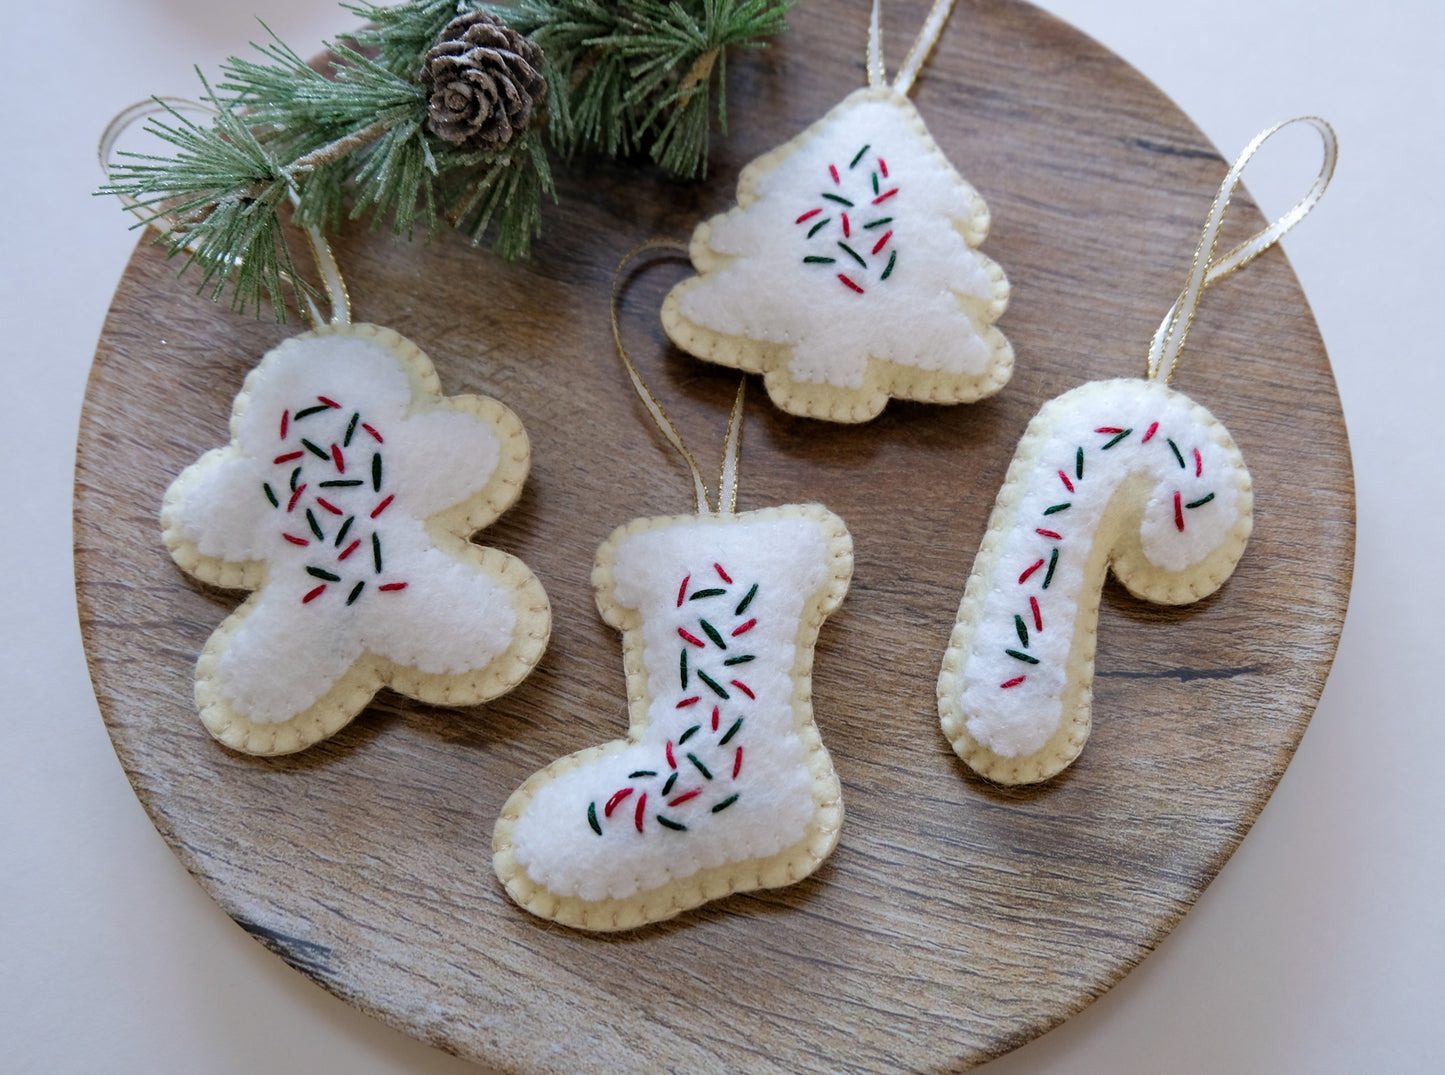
[{"x": 485, "y": 79}]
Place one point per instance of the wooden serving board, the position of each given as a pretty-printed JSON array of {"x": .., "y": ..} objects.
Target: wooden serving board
[{"x": 955, "y": 920}]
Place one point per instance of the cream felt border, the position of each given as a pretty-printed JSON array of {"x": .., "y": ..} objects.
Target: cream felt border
[
  {"x": 449, "y": 529},
  {"x": 792, "y": 863},
  {"x": 1116, "y": 544},
  {"x": 882, "y": 379}
]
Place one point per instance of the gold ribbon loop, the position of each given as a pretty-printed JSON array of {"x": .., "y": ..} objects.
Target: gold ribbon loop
[
  {"x": 340, "y": 299},
  {"x": 727, "y": 491},
  {"x": 922, "y": 45},
  {"x": 1174, "y": 329}
]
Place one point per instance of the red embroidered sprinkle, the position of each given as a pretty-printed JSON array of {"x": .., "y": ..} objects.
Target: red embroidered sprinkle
[
  {"x": 722, "y": 574},
  {"x": 691, "y": 639},
  {"x": 288, "y": 457},
  {"x": 847, "y": 228},
  {"x": 883, "y": 167},
  {"x": 1109, "y": 429},
  {"x": 737, "y": 763},
  {"x": 689, "y": 701},
  {"x": 328, "y": 505},
  {"x": 392, "y": 587},
  {"x": 1065, "y": 479},
  {"x": 285, "y": 423},
  {"x": 671, "y": 761},
  {"x": 329, "y": 402},
  {"x": 313, "y": 595},
  {"x": 682, "y": 591},
  {"x": 1049, "y": 534},
  {"x": 296, "y": 496},
  {"x": 1198, "y": 464},
  {"x": 849, "y": 283},
  {"x": 833, "y": 171},
  {"x": 1013, "y": 682},
  {"x": 1030, "y": 570},
  {"x": 809, "y": 215},
  {"x": 743, "y": 687},
  {"x": 613, "y": 802},
  {"x": 881, "y": 243},
  {"x": 373, "y": 432},
  {"x": 296, "y": 540},
  {"x": 714, "y": 718},
  {"x": 1178, "y": 511},
  {"x": 350, "y": 549},
  {"x": 693, "y": 794},
  {"x": 885, "y": 196},
  {"x": 745, "y": 627},
  {"x": 338, "y": 459},
  {"x": 1038, "y": 618},
  {"x": 382, "y": 506},
  {"x": 637, "y": 817},
  {"x": 1151, "y": 431}
]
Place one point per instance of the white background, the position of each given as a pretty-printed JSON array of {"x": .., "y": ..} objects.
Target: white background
[{"x": 1318, "y": 948}]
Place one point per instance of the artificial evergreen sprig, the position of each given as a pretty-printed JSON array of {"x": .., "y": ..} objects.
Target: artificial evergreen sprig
[{"x": 438, "y": 110}]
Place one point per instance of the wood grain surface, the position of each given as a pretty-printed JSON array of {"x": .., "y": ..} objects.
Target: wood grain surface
[{"x": 955, "y": 920}]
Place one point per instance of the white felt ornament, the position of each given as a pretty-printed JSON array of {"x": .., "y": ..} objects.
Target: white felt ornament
[
  {"x": 1128, "y": 474},
  {"x": 848, "y": 271},
  {"x": 722, "y": 783}
]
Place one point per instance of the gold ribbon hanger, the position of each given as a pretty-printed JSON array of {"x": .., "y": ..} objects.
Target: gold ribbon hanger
[{"x": 923, "y": 44}]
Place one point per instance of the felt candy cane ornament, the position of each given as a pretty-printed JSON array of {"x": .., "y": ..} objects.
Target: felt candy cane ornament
[
  {"x": 344, "y": 501},
  {"x": 848, "y": 272},
  {"x": 722, "y": 783},
  {"x": 1127, "y": 474}
]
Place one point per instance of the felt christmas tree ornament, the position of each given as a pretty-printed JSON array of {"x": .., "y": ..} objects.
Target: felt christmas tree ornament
[
  {"x": 1127, "y": 474},
  {"x": 722, "y": 783},
  {"x": 344, "y": 502},
  {"x": 848, "y": 271}
]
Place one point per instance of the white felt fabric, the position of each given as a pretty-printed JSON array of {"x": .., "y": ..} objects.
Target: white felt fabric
[
  {"x": 553, "y": 838},
  {"x": 913, "y": 317},
  {"x": 288, "y": 651},
  {"x": 1020, "y": 719}
]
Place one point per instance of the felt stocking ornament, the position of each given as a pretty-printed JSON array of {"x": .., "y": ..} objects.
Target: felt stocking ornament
[
  {"x": 1128, "y": 474},
  {"x": 848, "y": 272},
  {"x": 344, "y": 502},
  {"x": 722, "y": 783}
]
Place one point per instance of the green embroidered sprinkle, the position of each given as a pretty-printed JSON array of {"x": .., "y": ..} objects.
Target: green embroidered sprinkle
[
  {"x": 341, "y": 483},
  {"x": 1201, "y": 501},
  {"x": 816, "y": 228},
  {"x": 666, "y": 788},
  {"x": 1049, "y": 574},
  {"x": 705, "y": 593},
  {"x": 295, "y": 477},
  {"x": 682, "y": 668},
  {"x": 1057, "y": 507},
  {"x": 712, "y": 683},
  {"x": 685, "y": 736},
  {"x": 340, "y": 537},
  {"x": 376, "y": 551},
  {"x": 852, "y": 253},
  {"x": 356, "y": 592},
  {"x": 321, "y": 452},
  {"x": 315, "y": 526},
  {"x": 700, "y": 766},
  {"x": 749, "y": 657},
  {"x": 592, "y": 818},
  {"x": 875, "y": 182},
  {"x": 1079, "y": 464},
  {"x": 376, "y": 471},
  {"x": 746, "y": 601},
  {"x": 725, "y": 803},
  {"x": 730, "y": 732},
  {"x": 1022, "y": 656},
  {"x": 854, "y": 162},
  {"x": 1022, "y": 630},
  {"x": 712, "y": 633},
  {"x": 350, "y": 430},
  {"x": 641, "y": 772},
  {"x": 839, "y": 199},
  {"x": 270, "y": 495},
  {"x": 817, "y": 259},
  {"x": 674, "y": 825},
  {"x": 879, "y": 222},
  {"x": 892, "y": 260},
  {"x": 1116, "y": 440},
  {"x": 309, "y": 411},
  {"x": 322, "y": 573},
  {"x": 1175, "y": 449}
]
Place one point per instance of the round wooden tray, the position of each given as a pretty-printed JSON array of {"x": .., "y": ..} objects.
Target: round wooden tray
[{"x": 955, "y": 920}]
